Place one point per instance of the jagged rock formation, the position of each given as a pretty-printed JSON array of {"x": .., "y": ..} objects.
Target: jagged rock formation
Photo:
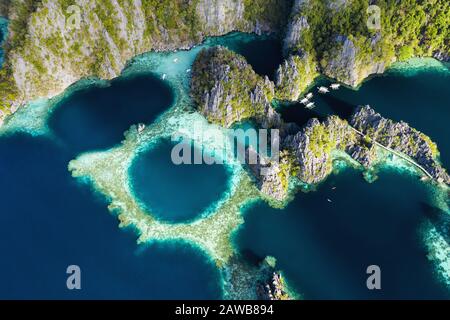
[
  {"x": 314, "y": 144},
  {"x": 400, "y": 137},
  {"x": 47, "y": 51},
  {"x": 273, "y": 176},
  {"x": 227, "y": 90},
  {"x": 294, "y": 75},
  {"x": 346, "y": 64}
]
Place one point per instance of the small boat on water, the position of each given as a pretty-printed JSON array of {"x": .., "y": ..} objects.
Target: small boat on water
[
  {"x": 335, "y": 86},
  {"x": 163, "y": 76},
  {"x": 304, "y": 101},
  {"x": 309, "y": 95},
  {"x": 333, "y": 188},
  {"x": 329, "y": 200},
  {"x": 188, "y": 70},
  {"x": 310, "y": 105},
  {"x": 175, "y": 60},
  {"x": 323, "y": 89},
  {"x": 141, "y": 127}
]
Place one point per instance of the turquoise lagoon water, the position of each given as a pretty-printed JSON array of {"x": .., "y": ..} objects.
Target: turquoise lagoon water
[
  {"x": 176, "y": 193},
  {"x": 49, "y": 220}
]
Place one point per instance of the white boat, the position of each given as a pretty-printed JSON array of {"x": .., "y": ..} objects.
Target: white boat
[
  {"x": 335, "y": 86},
  {"x": 141, "y": 127},
  {"x": 329, "y": 200},
  {"x": 323, "y": 89},
  {"x": 310, "y": 105},
  {"x": 334, "y": 188},
  {"x": 163, "y": 76},
  {"x": 175, "y": 60},
  {"x": 188, "y": 70},
  {"x": 309, "y": 95},
  {"x": 304, "y": 101}
]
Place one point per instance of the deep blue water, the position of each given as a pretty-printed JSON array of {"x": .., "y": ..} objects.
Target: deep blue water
[
  {"x": 324, "y": 248},
  {"x": 176, "y": 193},
  {"x": 48, "y": 221},
  {"x": 96, "y": 117}
]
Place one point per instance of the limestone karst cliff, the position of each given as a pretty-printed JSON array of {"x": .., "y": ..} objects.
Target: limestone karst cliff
[
  {"x": 52, "y": 44},
  {"x": 347, "y": 41},
  {"x": 227, "y": 90}
]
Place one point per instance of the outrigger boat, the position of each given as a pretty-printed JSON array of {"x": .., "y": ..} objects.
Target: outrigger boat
[
  {"x": 310, "y": 105},
  {"x": 141, "y": 127},
  {"x": 323, "y": 89},
  {"x": 309, "y": 95},
  {"x": 335, "y": 86},
  {"x": 304, "y": 101}
]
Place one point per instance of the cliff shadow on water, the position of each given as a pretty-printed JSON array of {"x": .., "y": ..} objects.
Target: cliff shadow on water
[
  {"x": 263, "y": 53},
  {"x": 298, "y": 114}
]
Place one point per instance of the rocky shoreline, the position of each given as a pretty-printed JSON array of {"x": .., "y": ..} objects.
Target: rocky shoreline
[
  {"x": 43, "y": 59},
  {"x": 228, "y": 91}
]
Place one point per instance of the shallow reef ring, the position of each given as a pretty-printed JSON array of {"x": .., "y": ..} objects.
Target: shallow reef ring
[
  {"x": 152, "y": 145},
  {"x": 108, "y": 173}
]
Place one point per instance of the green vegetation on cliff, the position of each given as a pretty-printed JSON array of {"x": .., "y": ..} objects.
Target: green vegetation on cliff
[
  {"x": 336, "y": 34},
  {"x": 45, "y": 55}
]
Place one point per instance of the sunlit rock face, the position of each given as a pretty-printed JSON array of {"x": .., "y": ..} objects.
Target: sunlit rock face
[{"x": 227, "y": 90}]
